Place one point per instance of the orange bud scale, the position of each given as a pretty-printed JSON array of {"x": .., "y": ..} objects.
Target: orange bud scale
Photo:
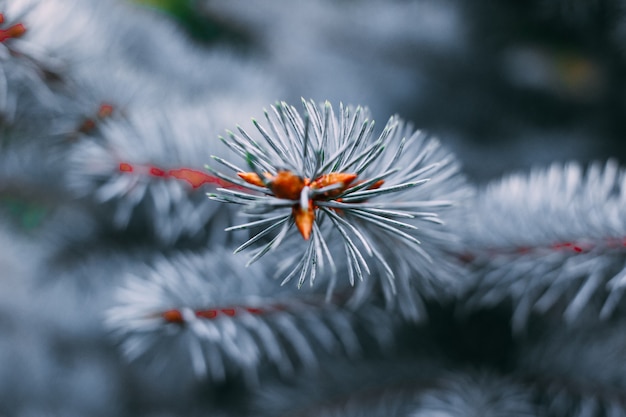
[
  {"x": 14, "y": 31},
  {"x": 289, "y": 186}
]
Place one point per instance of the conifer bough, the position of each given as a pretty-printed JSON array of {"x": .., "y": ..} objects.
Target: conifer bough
[{"x": 335, "y": 181}]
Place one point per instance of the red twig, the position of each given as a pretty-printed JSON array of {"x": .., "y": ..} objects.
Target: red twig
[
  {"x": 13, "y": 31},
  {"x": 192, "y": 176}
]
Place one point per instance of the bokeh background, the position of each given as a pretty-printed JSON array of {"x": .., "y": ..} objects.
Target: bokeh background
[{"x": 506, "y": 85}]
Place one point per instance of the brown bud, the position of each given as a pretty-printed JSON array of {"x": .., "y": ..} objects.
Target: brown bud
[
  {"x": 251, "y": 178},
  {"x": 287, "y": 185},
  {"x": 173, "y": 316},
  {"x": 376, "y": 185},
  {"x": 304, "y": 219},
  {"x": 105, "y": 110},
  {"x": 334, "y": 178}
]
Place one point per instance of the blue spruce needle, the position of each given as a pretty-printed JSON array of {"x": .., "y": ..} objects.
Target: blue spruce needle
[{"x": 344, "y": 189}]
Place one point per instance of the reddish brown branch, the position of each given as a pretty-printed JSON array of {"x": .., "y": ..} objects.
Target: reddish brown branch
[
  {"x": 13, "y": 31},
  {"x": 193, "y": 177}
]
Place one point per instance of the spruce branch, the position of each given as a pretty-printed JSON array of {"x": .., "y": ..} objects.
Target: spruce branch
[
  {"x": 371, "y": 387},
  {"x": 475, "y": 393},
  {"x": 420, "y": 387},
  {"x": 144, "y": 180},
  {"x": 350, "y": 194},
  {"x": 224, "y": 320},
  {"x": 31, "y": 65},
  {"x": 576, "y": 371},
  {"x": 553, "y": 238}
]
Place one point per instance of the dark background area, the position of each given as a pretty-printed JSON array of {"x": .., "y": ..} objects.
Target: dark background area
[{"x": 507, "y": 84}]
